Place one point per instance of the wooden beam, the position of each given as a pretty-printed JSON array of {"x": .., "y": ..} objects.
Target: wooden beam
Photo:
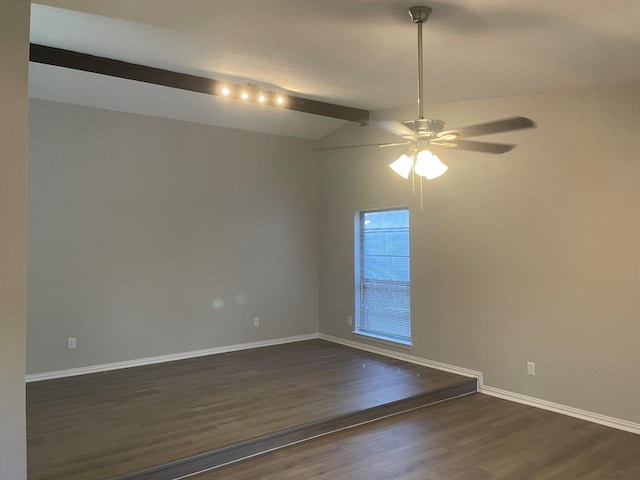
[{"x": 157, "y": 76}]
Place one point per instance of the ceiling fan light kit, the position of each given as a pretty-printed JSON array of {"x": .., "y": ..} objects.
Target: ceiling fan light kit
[
  {"x": 403, "y": 165},
  {"x": 428, "y": 165}
]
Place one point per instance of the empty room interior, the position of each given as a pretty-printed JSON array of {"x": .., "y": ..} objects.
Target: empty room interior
[{"x": 366, "y": 239}]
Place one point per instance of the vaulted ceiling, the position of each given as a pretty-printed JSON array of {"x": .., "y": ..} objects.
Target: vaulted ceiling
[{"x": 357, "y": 53}]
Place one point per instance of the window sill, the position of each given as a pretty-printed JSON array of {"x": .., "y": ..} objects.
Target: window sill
[{"x": 390, "y": 341}]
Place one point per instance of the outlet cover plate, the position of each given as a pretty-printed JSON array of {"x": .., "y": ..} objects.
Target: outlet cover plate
[{"x": 531, "y": 368}]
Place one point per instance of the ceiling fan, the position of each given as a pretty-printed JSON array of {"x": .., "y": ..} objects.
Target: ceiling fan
[{"x": 424, "y": 133}]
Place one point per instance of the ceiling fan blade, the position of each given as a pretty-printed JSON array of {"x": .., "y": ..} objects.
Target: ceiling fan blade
[
  {"x": 396, "y": 128},
  {"x": 393, "y": 144},
  {"x": 473, "y": 146},
  {"x": 506, "y": 125}
]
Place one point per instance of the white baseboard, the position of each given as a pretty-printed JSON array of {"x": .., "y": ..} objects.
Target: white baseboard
[
  {"x": 495, "y": 392},
  {"x": 563, "y": 409},
  {"x": 105, "y": 367},
  {"x": 465, "y": 372}
]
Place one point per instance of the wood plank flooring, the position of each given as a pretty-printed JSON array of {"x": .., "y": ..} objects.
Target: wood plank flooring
[
  {"x": 107, "y": 425},
  {"x": 476, "y": 437}
]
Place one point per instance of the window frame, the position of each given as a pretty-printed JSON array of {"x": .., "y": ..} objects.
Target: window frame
[{"x": 358, "y": 268}]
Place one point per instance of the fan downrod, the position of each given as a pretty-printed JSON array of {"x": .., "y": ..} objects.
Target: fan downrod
[{"x": 422, "y": 127}]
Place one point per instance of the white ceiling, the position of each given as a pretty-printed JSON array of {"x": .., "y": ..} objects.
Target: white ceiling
[{"x": 359, "y": 53}]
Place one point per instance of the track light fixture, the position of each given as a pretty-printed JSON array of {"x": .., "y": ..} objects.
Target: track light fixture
[{"x": 250, "y": 93}]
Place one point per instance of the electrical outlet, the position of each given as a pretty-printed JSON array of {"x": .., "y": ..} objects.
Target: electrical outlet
[
  {"x": 71, "y": 343},
  {"x": 350, "y": 320},
  {"x": 256, "y": 321},
  {"x": 531, "y": 368}
]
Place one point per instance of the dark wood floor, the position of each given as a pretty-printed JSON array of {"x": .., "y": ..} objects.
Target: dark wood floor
[
  {"x": 102, "y": 426},
  {"x": 476, "y": 437}
]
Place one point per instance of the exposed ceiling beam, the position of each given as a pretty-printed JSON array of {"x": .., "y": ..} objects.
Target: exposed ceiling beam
[{"x": 157, "y": 76}]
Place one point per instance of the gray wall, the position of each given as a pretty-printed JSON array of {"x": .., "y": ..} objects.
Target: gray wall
[
  {"x": 137, "y": 225},
  {"x": 14, "y": 52},
  {"x": 532, "y": 255}
]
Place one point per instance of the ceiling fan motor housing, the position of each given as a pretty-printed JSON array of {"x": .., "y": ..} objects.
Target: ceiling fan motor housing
[{"x": 425, "y": 127}]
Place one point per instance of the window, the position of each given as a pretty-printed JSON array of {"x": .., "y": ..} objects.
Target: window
[{"x": 383, "y": 288}]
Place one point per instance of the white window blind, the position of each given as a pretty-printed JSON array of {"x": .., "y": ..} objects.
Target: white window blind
[{"x": 382, "y": 279}]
